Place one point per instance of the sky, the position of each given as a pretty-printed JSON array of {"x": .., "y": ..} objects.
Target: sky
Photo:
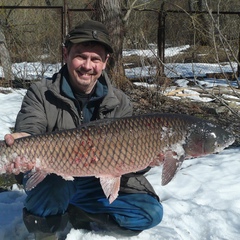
[{"x": 202, "y": 202}]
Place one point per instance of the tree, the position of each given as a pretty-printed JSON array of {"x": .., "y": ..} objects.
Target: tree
[
  {"x": 5, "y": 58},
  {"x": 200, "y": 22},
  {"x": 109, "y": 12}
]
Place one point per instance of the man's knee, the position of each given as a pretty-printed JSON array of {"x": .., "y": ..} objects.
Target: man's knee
[
  {"x": 155, "y": 215},
  {"x": 50, "y": 197},
  {"x": 142, "y": 212}
]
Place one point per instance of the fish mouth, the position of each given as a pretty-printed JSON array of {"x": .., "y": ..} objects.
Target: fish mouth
[
  {"x": 227, "y": 143},
  {"x": 230, "y": 141}
]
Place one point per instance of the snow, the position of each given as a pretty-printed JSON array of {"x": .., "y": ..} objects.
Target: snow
[
  {"x": 152, "y": 51},
  {"x": 201, "y": 202}
]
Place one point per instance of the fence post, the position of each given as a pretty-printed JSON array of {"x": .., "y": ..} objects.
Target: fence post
[
  {"x": 238, "y": 68},
  {"x": 64, "y": 16},
  {"x": 5, "y": 59},
  {"x": 161, "y": 40}
]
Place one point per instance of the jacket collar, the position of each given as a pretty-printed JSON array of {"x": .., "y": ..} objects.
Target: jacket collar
[{"x": 103, "y": 89}]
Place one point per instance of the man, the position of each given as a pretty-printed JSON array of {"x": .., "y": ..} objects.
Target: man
[{"x": 81, "y": 92}]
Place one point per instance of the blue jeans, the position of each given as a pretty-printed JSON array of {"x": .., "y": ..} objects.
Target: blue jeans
[{"x": 53, "y": 195}]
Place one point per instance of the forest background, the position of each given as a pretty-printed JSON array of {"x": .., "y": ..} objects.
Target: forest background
[{"x": 33, "y": 31}]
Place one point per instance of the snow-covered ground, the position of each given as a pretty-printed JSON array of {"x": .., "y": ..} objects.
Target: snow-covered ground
[{"x": 202, "y": 202}]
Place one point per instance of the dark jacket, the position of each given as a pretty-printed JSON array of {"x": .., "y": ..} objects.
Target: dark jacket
[{"x": 50, "y": 105}]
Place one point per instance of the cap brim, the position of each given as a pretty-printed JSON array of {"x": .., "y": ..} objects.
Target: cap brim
[{"x": 82, "y": 40}]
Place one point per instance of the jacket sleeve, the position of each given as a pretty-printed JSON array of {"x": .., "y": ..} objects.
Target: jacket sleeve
[
  {"x": 125, "y": 108},
  {"x": 32, "y": 117},
  {"x": 137, "y": 183}
]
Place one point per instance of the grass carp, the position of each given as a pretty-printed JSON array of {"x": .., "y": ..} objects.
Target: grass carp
[{"x": 110, "y": 148}]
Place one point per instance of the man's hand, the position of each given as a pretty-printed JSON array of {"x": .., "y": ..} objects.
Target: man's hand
[
  {"x": 15, "y": 166},
  {"x": 9, "y": 138}
]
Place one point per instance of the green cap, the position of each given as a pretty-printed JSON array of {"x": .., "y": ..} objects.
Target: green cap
[{"x": 90, "y": 31}]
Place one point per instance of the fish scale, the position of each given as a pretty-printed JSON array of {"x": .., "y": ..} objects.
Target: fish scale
[{"x": 112, "y": 147}]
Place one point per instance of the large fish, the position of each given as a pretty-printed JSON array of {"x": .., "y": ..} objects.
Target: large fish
[{"x": 110, "y": 148}]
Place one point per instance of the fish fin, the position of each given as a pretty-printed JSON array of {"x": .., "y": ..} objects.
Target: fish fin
[
  {"x": 171, "y": 164},
  {"x": 110, "y": 186},
  {"x": 67, "y": 177},
  {"x": 34, "y": 179}
]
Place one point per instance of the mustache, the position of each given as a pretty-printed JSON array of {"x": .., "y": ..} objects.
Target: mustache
[{"x": 83, "y": 71}]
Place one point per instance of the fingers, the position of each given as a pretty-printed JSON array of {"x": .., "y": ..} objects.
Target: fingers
[{"x": 9, "y": 138}]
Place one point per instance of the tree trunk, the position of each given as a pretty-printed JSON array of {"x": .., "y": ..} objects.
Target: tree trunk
[
  {"x": 5, "y": 60},
  {"x": 109, "y": 12},
  {"x": 202, "y": 24}
]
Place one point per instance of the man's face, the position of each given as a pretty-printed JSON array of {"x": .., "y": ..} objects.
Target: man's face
[{"x": 85, "y": 65}]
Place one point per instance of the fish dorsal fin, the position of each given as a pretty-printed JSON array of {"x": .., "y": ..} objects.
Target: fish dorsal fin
[
  {"x": 171, "y": 164},
  {"x": 110, "y": 186},
  {"x": 35, "y": 179}
]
